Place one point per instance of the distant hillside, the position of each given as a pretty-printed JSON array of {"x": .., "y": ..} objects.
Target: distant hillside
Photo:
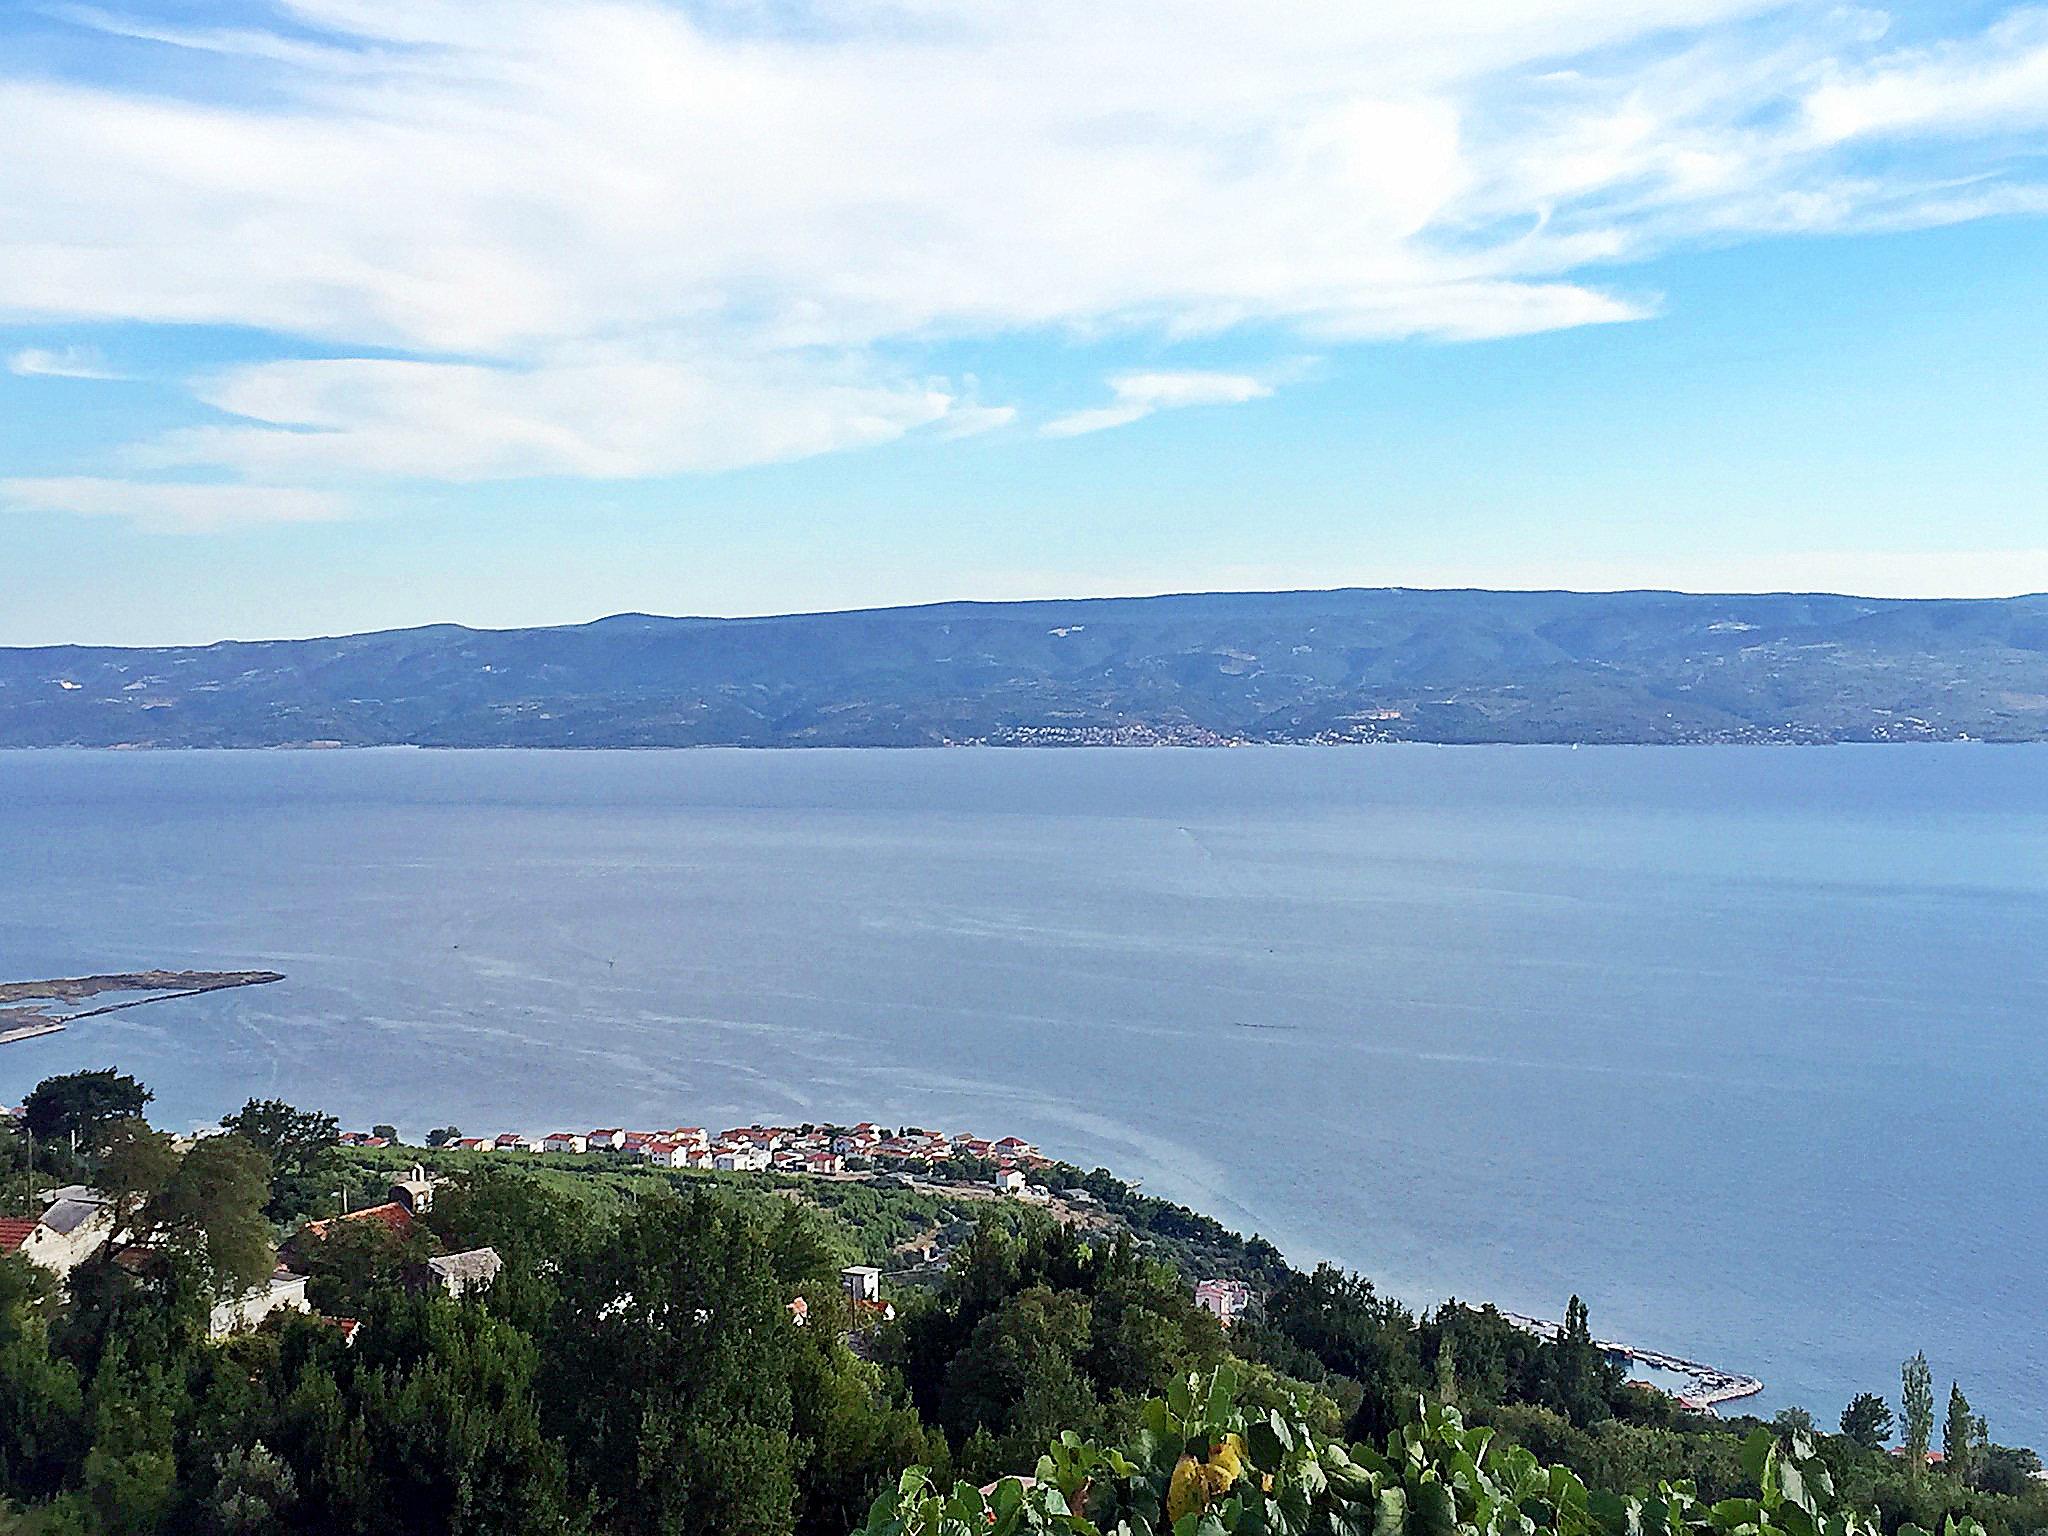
[{"x": 1353, "y": 665}]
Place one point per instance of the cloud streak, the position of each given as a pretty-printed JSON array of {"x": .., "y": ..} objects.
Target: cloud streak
[
  {"x": 1139, "y": 395},
  {"x": 172, "y": 507},
  {"x": 60, "y": 363}
]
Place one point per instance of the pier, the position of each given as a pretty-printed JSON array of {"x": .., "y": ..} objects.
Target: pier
[
  {"x": 1712, "y": 1386},
  {"x": 27, "y": 1008}
]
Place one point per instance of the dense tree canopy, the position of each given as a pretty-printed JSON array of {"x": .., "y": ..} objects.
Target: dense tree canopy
[
  {"x": 83, "y": 1104},
  {"x": 668, "y": 1354}
]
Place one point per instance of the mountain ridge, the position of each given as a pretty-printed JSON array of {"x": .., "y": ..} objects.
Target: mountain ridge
[{"x": 1200, "y": 668}]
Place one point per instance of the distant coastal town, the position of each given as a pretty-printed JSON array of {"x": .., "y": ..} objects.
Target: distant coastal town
[
  {"x": 822, "y": 1150},
  {"x": 1007, "y": 1165},
  {"x": 962, "y": 1163}
]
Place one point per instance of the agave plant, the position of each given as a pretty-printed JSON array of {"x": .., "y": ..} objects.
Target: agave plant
[{"x": 1202, "y": 1467}]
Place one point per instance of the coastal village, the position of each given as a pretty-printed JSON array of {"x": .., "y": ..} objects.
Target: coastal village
[
  {"x": 809, "y": 1149},
  {"x": 77, "y": 1222}
]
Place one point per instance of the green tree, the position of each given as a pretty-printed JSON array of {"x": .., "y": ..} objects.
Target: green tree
[
  {"x": 202, "y": 1210},
  {"x": 83, "y": 1104},
  {"x": 1916, "y": 1406},
  {"x": 352, "y": 1260},
  {"x": 1868, "y": 1421},
  {"x": 41, "y": 1405},
  {"x": 300, "y": 1144},
  {"x": 1020, "y": 1374},
  {"x": 252, "y": 1489},
  {"x": 210, "y": 1211},
  {"x": 130, "y": 1476},
  {"x": 1962, "y": 1436},
  {"x": 1793, "y": 1420},
  {"x": 430, "y": 1424},
  {"x": 669, "y": 1362}
]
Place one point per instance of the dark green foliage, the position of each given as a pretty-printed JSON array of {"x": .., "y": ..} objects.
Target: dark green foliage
[
  {"x": 1962, "y": 1437},
  {"x": 354, "y": 1260},
  {"x": 41, "y": 1405},
  {"x": 83, "y": 1104},
  {"x": 1868, "y": 1421},
  {"x": 1035, "y": 1330},
  {"x": 669, "y": 1362},
  {"x": 1916, "y": 1404},
  {"x": 300, "y": 1144},
  {"x": 639, "y": 1369},
  {"x": 1200, "y": 1466},
  {"x": 1347, "y": 1328}
]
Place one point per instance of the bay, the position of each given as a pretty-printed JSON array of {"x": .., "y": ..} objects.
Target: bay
[{"x": 1744, "y": 1045}]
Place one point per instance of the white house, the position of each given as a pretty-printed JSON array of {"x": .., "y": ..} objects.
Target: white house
[
  {"x": 604, "y": 1140},
  {"x": 1009, "y": 1180},
  {"x": 1225, "y": 1300},
  {"x": 512, "y": 1141},
  {"x": 566, "y": 1141},
  {"x": 283, "y": 1292},
  {"x": 862, "y": 1282},
  {"x": 740, "y": 1159},
  {"x": 460, "y": 1273},
  {"x": 74, "y": 1223}
]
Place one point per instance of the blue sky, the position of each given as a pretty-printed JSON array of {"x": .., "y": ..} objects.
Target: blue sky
[{"x": 344, "y": 314}]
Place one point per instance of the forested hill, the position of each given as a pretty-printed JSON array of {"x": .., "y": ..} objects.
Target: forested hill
[{"x": 1353, "y": 665}]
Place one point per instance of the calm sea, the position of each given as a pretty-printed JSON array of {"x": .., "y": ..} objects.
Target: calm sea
[{"x": 1747, "y": 1046}]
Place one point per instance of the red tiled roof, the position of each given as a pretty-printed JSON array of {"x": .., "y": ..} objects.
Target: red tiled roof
[
  {"x": 394, "y": 1217},
  {"x": 14, "y": 1232}
]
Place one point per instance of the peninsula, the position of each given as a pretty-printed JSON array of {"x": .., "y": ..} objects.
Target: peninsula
[{"x": 32, "y": 1008}]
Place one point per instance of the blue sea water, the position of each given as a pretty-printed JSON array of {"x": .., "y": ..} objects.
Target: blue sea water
[{"x": 1745, "y": 1045}]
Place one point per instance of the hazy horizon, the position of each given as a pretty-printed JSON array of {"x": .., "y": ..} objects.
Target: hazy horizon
[
  {"x": 1047, "y": 600},
  {"x": 324, "y": 318}
]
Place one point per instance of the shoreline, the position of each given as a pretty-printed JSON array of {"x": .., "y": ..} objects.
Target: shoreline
[
  {"x": 754, "y": 1149},
  {"x": 20, "y": 1001},
  {"x": 1716, "y": 1386}
]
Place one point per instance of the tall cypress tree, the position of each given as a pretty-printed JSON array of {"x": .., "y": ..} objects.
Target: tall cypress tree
[{"x": 1916, "y": 1409}]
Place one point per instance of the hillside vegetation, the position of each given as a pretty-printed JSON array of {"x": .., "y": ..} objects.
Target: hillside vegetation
[
  {"x": 671, "y": 1354},
  {"x": 1353, "y": 665}
]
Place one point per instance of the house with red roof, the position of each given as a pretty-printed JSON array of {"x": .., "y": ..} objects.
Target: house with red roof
[
  {"x": 75, "y": 1223},
  {"x": 391, "y": 1215}
]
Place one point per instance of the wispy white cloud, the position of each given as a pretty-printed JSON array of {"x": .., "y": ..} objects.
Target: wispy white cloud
[
  {"x": 605, "y": 413},
  {"x": 172, "y": 507},
  {"x": 620, "y": 237},
  {"x": 1138, "y": 395},
  {"x": 1995, "y": 81},
  {"x": 60, "y": 363}
]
